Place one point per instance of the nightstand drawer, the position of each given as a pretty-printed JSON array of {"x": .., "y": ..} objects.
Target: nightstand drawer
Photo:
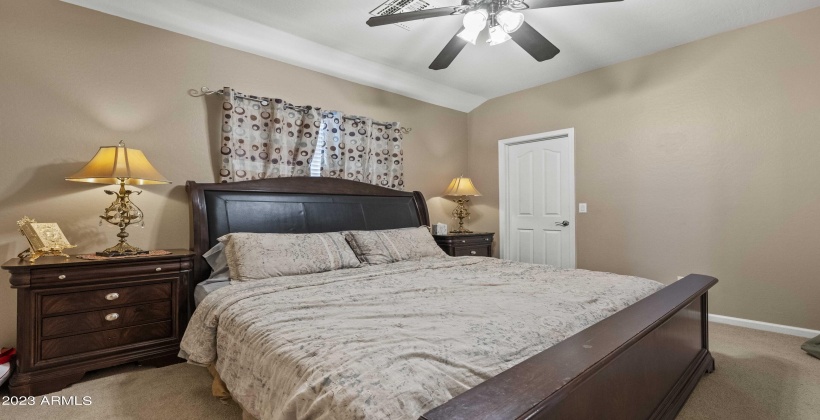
[
  {"x": 467, "y": 241},
  {"x": 104, "y": 298},
  {"x": 84, "y": 343},
  {"x": 472, "y": 251},
  {"x": 64, "y": 275},
  {"x": 106, "y": 319}
]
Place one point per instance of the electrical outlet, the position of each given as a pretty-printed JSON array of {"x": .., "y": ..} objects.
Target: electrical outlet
[{"x": 582, "y": 207}]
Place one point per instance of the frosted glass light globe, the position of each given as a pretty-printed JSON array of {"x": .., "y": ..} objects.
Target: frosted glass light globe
[
  {"x": 470, "y": 36},
  {"x": 476, "y": 20},
  {"x": 498, "y": 36},
  {"x": 510, "y": 21}
]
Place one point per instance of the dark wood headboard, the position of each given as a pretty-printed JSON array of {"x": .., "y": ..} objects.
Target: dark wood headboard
[{"x": 295, "y": 205}]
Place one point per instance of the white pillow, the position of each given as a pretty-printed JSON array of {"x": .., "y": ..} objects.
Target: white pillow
[{"x": 218, "y": 261}]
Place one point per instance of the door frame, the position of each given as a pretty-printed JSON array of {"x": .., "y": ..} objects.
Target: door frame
[{"x": 503, "y": 193}]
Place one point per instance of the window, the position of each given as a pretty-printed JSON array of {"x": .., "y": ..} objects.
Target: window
[{"x": 316, "y": 163}]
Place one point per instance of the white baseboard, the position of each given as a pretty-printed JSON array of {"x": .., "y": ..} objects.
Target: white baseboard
[{"x": 764, "y": 326}]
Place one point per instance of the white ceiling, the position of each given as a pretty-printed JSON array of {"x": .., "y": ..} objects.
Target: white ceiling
[{"x": 331, "y": 36}]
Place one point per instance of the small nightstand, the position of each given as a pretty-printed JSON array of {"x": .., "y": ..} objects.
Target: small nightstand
[
  {"x": 77, "y": 315},
  {"x": 479, "y": 244}
]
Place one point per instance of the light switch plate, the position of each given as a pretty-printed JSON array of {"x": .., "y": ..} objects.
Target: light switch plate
[{"x": 582, "y": 208}]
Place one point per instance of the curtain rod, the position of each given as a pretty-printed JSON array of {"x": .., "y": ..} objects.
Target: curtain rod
[{"x": 204, "y": 91}]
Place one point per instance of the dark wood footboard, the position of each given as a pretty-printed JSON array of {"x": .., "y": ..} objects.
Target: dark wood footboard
[{"x": 641, "y": 363}]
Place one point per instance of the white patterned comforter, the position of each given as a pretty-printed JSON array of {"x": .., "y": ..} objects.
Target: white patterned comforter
[{"x": 392, "y": 341}]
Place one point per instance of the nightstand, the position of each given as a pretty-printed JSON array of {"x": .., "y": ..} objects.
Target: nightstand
[
  {"x": 75, "y": 315},
  {"x": 479, "y": 244}
]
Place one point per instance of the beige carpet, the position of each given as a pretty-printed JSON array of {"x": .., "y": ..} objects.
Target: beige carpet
[
  {"x": 177, "y": 392},
  {"x": 759, "y": 376}
]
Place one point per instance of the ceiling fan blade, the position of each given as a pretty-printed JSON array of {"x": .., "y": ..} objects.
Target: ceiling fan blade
[
  {"x": 534, "y": 43},
  {"x": 421, "y": 14},
  {"x": 449, "y": 53},
  {"x": 540, "y": 4}
]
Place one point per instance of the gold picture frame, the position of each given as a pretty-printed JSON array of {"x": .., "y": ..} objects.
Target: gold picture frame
[{"x": 45, "y": 239}]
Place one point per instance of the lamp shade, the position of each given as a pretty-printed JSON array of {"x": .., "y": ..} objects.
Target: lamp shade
[
  {"x": 462, "y": 187},
  {"x": 115, "y": 164}
]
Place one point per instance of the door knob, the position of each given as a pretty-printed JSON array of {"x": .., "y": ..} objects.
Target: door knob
[{"x": 565, "y": 223}]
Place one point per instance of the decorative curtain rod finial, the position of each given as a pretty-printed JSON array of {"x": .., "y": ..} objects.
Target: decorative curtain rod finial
[{"x": 202, "y": 92}]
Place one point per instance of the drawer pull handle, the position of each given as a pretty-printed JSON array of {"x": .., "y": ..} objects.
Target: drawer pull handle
[
  {"x": 472, "y": 252},
  {"x": 112, "y": 296},
  {"x": 159, "y": 269},
  {"x": 112, "y": 316},
  {"x": 61, "y": 277}
]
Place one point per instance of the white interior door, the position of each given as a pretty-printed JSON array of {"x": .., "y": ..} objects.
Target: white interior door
[{"x": 537, "y": 180}]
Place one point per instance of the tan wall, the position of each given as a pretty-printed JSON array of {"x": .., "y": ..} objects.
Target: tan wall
[
  {"x": 703, "y": 158},
  {"x": 73, "y": 80}
]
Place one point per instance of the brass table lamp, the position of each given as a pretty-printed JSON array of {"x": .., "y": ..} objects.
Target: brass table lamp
[
  {"x": 461, "y": 187},
  {"x": 120, "y": 165}
]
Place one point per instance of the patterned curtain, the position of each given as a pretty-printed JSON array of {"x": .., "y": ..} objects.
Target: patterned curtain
[
  {"x": 358, "y": 149},
  {"x": 266, "y": 138}
]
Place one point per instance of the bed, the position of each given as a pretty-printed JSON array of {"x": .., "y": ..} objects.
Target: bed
[{"x": 638, "y": 355}]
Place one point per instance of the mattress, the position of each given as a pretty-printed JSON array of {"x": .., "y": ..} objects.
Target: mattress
[
  {"x": 206, "y": 287},
  {"x": 392, "y": 340}
]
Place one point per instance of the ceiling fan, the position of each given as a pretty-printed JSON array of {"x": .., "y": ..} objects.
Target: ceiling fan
[{"x": 503, "y": 18}]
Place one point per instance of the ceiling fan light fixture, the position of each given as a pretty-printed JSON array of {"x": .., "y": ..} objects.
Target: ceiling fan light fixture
[
  {"x": 510, "y": 21},
  {"x": 476, "y": 20},
  {"x": 498, "y": 36},
  {"x": 470, "y": 35}
]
